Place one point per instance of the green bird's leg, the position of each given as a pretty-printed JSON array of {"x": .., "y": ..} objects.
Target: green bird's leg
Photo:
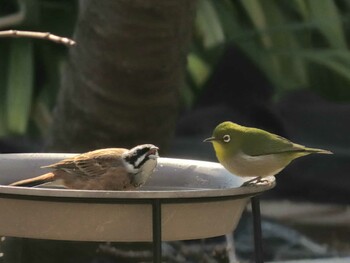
[{"x": 254, "y": 181}]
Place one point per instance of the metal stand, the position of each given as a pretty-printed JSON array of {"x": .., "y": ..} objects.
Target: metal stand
[
  {"x": 258, "y": 244},
  {"x": 157, "y": 230}
]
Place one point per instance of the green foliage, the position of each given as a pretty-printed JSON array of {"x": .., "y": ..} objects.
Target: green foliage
[
  {"x": 295, "y": 43},
  {"x": 29, "y": 68},
  {"x": 19, "y": 85}
]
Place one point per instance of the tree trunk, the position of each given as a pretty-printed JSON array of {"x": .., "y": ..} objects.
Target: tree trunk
[{"x": 120, "y": 86}]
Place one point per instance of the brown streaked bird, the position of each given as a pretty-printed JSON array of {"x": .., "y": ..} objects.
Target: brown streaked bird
[{"x": 104, "y": 169}]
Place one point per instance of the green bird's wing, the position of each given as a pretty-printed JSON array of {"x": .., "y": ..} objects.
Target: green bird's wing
[{"x": 258, "y": 142}]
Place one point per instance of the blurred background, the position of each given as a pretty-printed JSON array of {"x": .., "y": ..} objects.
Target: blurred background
[{"x": 283, "y": 66}]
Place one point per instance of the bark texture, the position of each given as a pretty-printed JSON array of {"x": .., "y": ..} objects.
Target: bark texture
[{"x": 120, "y": 86}]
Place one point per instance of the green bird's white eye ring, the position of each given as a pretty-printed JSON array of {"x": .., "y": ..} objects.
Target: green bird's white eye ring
[{"x": 226, "y": 138}]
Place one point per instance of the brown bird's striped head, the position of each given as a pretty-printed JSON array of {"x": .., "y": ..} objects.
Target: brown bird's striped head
[{"x": 138, "y": 156}]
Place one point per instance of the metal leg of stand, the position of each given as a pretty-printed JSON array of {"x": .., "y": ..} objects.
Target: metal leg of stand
[
  {"x": 258, "y": 242},
  {"x": 157, "y": 231}
]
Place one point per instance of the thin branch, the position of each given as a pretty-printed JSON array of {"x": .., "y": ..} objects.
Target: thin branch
[{"x": 40, "y": 35}]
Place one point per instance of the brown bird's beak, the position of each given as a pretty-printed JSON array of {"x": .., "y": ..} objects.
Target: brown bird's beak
[
  {"x": 210, "y": 139},
  {"x": 153, "y": 152}
]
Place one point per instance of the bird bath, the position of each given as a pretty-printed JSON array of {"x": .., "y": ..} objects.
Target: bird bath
[{"x": 194, "y": 199}]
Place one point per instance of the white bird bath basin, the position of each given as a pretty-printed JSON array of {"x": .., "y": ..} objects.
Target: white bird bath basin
[{"x": 197, "y": 200}]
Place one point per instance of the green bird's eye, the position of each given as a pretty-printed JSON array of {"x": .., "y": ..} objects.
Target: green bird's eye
[{"x": 226, "y": 138}]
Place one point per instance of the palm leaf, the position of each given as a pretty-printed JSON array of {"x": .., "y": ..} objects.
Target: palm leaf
[
  {"x": 3, "y": 83},
  {"x": 327, "y": 19},
  {"x": 19, "y": 85},
  {"x": 208, "y": 24}
]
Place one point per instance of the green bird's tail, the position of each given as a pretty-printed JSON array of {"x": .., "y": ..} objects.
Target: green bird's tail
[{"x": 314, "y": 150}]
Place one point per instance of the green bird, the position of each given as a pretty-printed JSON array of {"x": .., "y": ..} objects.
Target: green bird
[{"x": 252, "y": 152}]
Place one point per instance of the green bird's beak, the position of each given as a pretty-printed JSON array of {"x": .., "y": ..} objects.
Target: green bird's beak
[{"x": 210, "y": 139}]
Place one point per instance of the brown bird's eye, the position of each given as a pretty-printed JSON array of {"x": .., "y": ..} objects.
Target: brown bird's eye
[{"x": 226, "y": 138}]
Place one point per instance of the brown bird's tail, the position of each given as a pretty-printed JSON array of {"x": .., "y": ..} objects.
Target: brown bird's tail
[{"x": 48, "y": 177}]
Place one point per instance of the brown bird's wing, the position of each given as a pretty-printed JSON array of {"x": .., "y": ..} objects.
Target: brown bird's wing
[{"x": 94, "y": 163}]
